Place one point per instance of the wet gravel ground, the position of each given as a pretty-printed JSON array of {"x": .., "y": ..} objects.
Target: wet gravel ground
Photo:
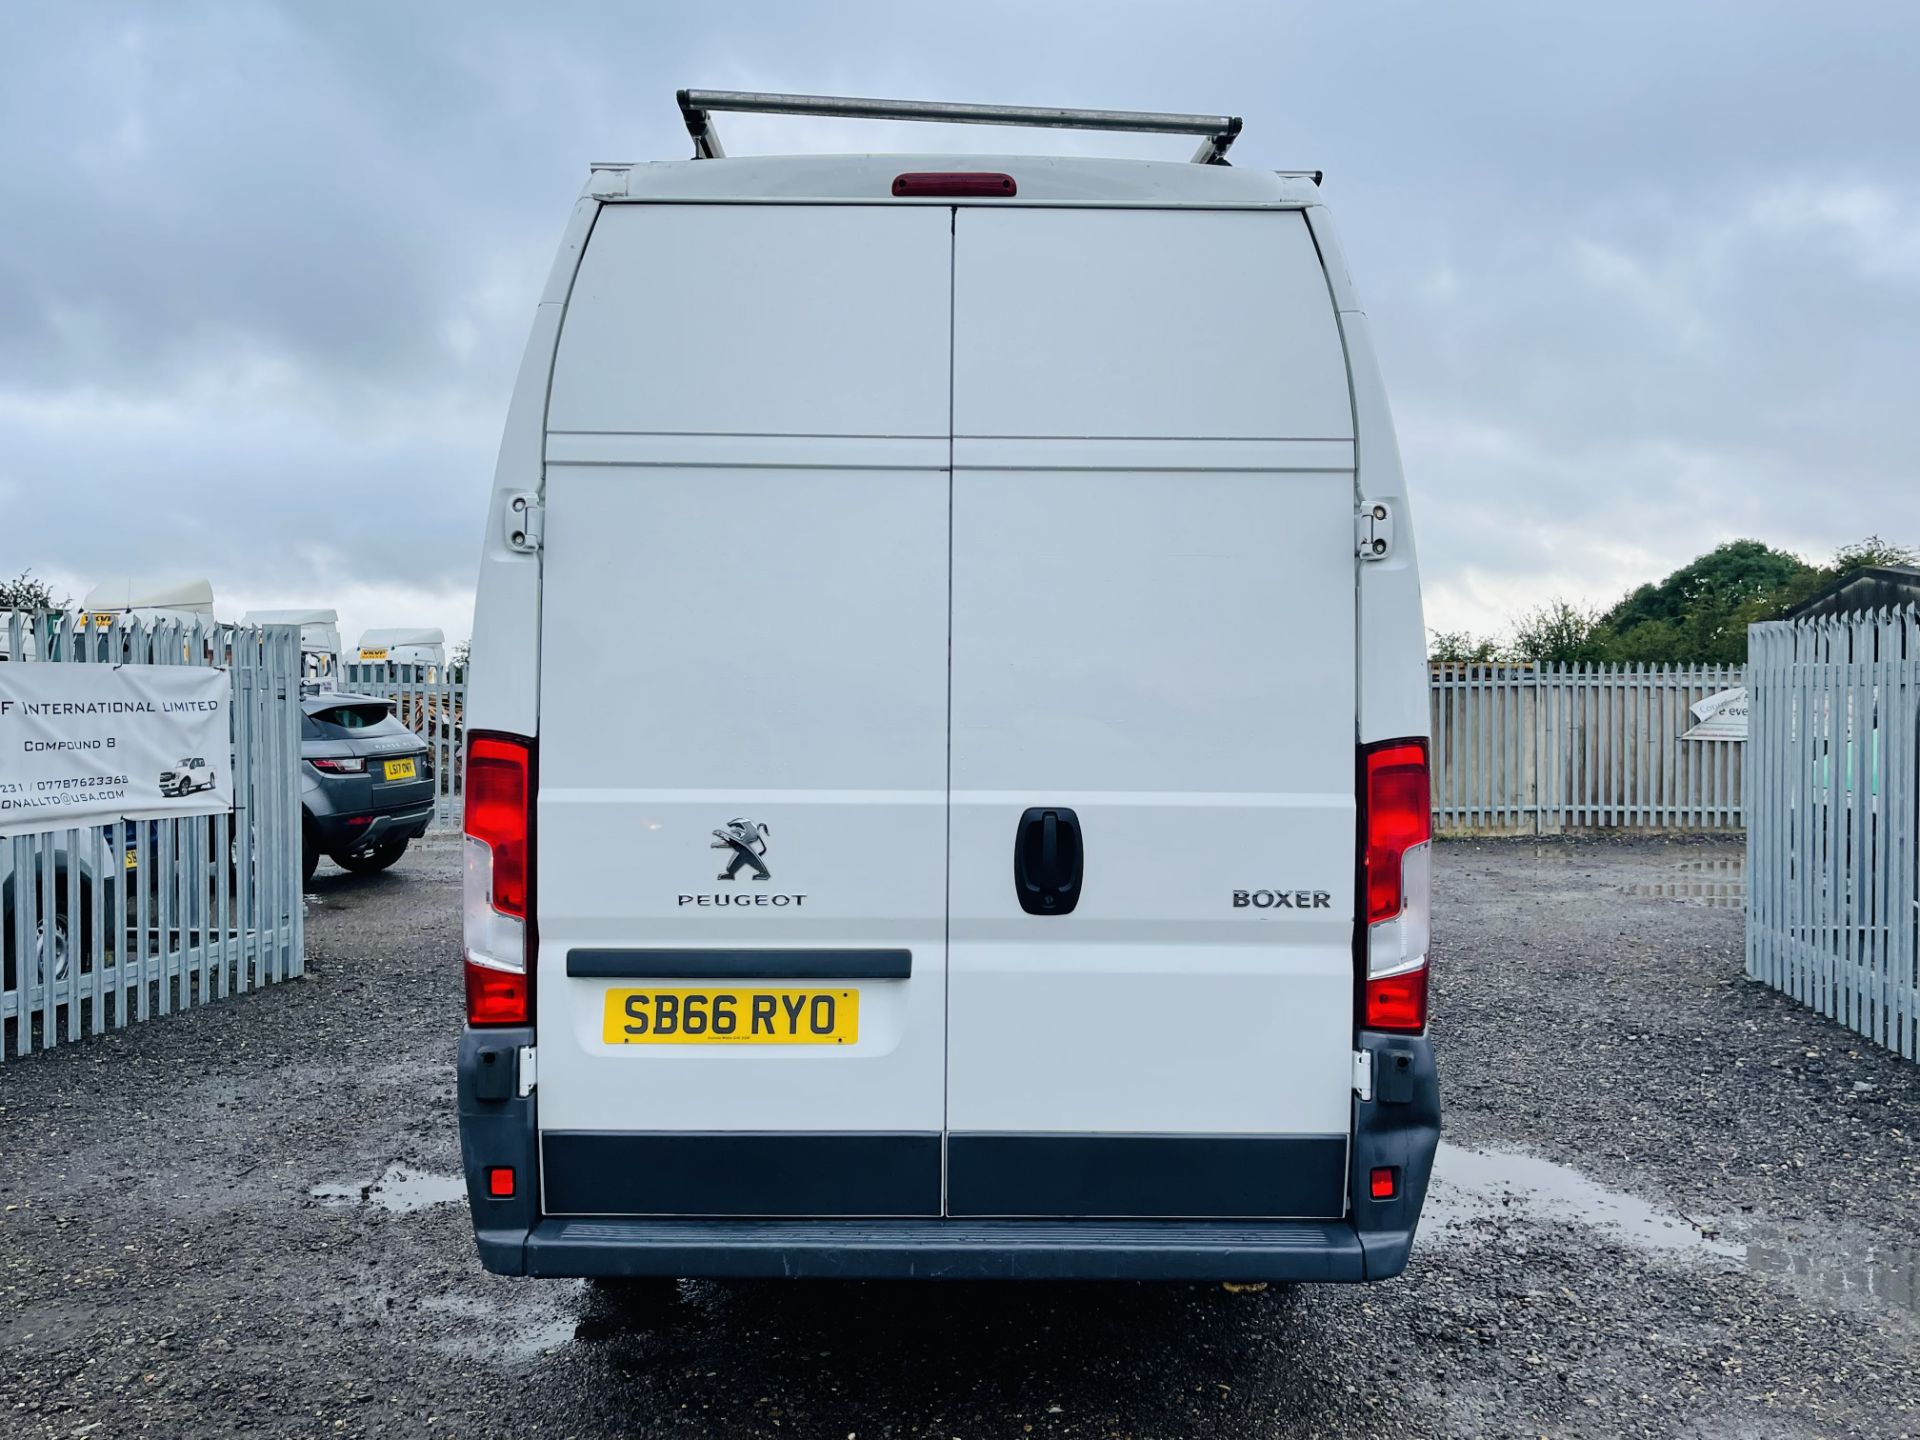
[{"x": 1671, "y": 1204}]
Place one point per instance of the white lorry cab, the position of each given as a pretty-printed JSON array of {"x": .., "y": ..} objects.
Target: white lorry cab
[
  {"x": 319, "y": 637},
  {"x": 186, "y": 602},
  {"x": 993, "y": 839},
  {"x": 424, "y": 649}
]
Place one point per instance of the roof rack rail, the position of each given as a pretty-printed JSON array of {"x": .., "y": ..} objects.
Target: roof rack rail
[{"x": 699, "y": 106}]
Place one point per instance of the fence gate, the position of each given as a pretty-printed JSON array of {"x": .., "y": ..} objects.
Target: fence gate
[
  {"x": 1832, "y": 810},
  {"x": 104, "y": 925},
  {"x": 431, "y": 701}
]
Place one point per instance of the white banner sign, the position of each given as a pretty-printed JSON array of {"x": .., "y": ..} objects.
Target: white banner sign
[
  {"x": 1722, "y": 716},
  {"x": 91, "y": 744}
]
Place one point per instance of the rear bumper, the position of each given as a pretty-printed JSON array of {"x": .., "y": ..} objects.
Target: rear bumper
[
  {"x": 1398, "y": 1128},
  {"x": 940, "y": 1249},
  {"x": 337, "y": 832}
]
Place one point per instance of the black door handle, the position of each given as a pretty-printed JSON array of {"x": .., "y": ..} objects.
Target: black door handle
[{"x": 1048, "y": 859}]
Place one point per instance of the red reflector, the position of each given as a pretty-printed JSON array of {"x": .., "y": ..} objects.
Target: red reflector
[
  {"x": 355, "y": 821},
  {"x": 1398, "y": 1002},
  {"x": 495, "y": 997},
  {"x": 954, "y": 182},
  {"x": 1398, "y": 817},
  {"x": 1383, "y": 1181},
  {"x": 500, "y": 1181},
  {"x": 498, "y": 797}
]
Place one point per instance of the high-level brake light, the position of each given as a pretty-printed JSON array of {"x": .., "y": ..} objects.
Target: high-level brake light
[
  {"x": 499, "y": 867},
  {"x": 954, "y": 183},
  {"x": 1395, "y": 802}
]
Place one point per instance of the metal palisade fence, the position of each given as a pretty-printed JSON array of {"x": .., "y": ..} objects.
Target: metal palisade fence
[
  {"x": 1534, "y": 750},
  {"x": 431, "y": 700},
  {"x": 106, "y": 925},
  {"x": 1832, "y": 828},
  {"x": 1516, "y": 750}
]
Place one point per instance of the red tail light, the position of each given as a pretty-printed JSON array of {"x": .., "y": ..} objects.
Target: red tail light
[
  {"x": 1398, "y": 1002},
  {"x": 495, "y": 997},
  {"x": 1399, "y": 816},
  {"x": 1396, "y": 810},
  {"x": 499, "y": 876}
]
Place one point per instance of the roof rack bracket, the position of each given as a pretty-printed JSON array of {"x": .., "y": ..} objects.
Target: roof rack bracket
[{"x": 697, "y": 108}]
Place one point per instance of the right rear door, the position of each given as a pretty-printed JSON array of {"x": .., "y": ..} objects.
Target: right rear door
[{"x": 1152, "y": 637}]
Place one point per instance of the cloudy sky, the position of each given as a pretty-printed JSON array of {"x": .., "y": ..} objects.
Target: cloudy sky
[{"x": 1642, "y": 281}]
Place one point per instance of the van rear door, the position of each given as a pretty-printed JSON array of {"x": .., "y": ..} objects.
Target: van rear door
[
  {"x": 1153, "y": 718},
  {"x": 741, "y": 825}
]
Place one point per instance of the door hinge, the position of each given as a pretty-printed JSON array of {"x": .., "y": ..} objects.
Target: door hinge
[
  {"x": 526, "y": 522},
  {"x": 526, "y": 1068},
  {"x": 1363, "y": 1074},
  {"x": 1373, "y": 530}
]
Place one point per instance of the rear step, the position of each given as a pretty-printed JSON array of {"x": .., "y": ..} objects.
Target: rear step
[{"x": 950, "y": 1249}]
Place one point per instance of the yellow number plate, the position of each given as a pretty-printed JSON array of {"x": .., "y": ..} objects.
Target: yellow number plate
[
  {"x": 400, "y": 770},
  {"x": 755, "y": 1016},
  {"x": 373, "y": 654}
]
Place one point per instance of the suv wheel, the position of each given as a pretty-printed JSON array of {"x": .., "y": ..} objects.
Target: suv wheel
[{"x": 54, "y": 948}]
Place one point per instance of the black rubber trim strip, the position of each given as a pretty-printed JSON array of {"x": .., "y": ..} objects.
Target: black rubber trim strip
[
  {"x": 740, "y": 964},
  {"x": 1158, "y": 1176},
  {"x": 939, "y": 1249},
  {"x": 760, "y": 1173}
]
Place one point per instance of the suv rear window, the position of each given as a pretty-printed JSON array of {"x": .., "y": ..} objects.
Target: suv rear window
[{"x": 345, "y": 721}]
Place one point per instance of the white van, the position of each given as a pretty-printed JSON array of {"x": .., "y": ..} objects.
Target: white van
[{"x": 992, "y": 839}]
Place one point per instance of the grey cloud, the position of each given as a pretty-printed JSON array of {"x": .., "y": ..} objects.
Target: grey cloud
[{"x": 1641, "y": 277}]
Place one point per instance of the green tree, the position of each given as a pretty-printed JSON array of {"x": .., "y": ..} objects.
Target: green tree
[
  {"x": 23, "y": 592},
  {"x": 1870, "y": 554},
  {"x": 1460, "y": 647},
  {"x": 1714, "y": 584},
  {"x": 1559, "y": 632},
  {"x": 1698, "y": 615}
]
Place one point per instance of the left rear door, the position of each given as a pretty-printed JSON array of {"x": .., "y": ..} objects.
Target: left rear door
[{"x": 743, "y": 708}]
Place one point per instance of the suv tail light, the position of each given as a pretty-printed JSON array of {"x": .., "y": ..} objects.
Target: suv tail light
[
  {"x": 1396, "y": 810},
  {"x": 499, "y": 879}
]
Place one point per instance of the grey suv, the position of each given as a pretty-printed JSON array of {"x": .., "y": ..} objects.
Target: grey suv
[{"x": 366, "y": 783}]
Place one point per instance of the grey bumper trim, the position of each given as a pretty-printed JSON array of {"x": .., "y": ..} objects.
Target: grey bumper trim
[{"x": 949, "y": 1249}]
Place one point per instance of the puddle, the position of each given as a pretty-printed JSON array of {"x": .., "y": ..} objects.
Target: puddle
[
  {"x": 1889, "y": 1275},
  {"x": 1717, "y": 884},
  {"x": 1474, "y": 1185},
  {"x": 476, "y": 1329},
  {"x": 537, "y": 1323},
  {"x": 400, "y": 1190}
]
